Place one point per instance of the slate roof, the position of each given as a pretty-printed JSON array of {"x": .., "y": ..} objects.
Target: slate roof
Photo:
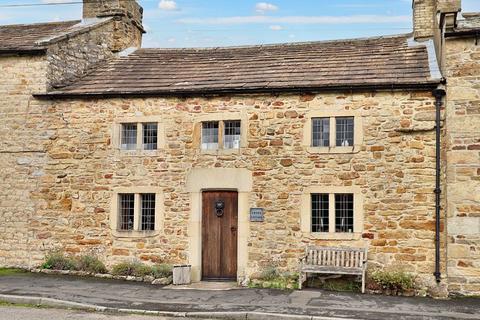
[
  {"x": 31, "y": 38},
  {"x": 23, "y": 37},
  {"x": 383, "y": 61}
]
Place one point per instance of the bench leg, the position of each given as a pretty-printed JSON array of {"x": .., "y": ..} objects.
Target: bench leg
[
  {"x": 300, "y": 281},
  {"x": 363, "y": 281}
]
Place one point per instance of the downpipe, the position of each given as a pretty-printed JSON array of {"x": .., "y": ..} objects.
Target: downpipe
[{"x": 438, "y": 94}]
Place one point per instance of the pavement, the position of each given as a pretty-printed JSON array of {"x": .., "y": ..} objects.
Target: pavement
[
  {"x": 128, "y": 297},
  {"x": 23, "y": 313}
]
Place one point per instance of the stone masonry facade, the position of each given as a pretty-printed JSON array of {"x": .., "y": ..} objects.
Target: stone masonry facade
[
  {"x": 463, "y": 164},
  {"x": 61, "y": 164}
]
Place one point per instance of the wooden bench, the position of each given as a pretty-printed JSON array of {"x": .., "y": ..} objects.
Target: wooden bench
[{"x": 329, "y": 260}]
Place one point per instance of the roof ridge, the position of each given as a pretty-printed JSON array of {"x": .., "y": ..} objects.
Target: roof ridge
[
  {"x": 299, "y": 43},
  {"x": 39, "y": 23}
]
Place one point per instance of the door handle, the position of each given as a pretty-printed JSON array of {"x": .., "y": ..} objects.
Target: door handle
[{"x": 233, "y": 229}]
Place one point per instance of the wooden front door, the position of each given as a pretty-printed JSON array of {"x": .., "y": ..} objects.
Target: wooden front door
[{"x": 219, "y": 235}]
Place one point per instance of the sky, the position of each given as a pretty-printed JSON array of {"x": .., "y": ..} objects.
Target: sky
[{"x": 201, "y": 23}]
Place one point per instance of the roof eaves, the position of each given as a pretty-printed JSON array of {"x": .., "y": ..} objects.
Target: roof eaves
[{"x": 415, "y": 86}]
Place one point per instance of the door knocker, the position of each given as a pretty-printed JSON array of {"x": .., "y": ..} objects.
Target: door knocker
[{"x": 219, "y": 206}]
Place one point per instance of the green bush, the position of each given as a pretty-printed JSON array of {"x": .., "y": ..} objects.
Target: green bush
[
  {"x": 273, "y": 279},
  {"x": 58, "y": 261},
  {"x": 393, "y": 280},
  {"x": 162, "y": 270},
  {"x": 90, "y": 264},
  {"x": 132, "y": 268}
]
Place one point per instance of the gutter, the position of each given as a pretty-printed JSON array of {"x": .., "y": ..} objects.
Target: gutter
[
  {"x": 438, "y": 94},
  {"x": 265, "y": 90}
]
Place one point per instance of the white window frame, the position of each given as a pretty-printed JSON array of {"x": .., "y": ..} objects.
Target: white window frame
[
  {"x": 332, "y": 115},
  {"x": 137, "y": 221},
  {"x": 306, "y": 213}
]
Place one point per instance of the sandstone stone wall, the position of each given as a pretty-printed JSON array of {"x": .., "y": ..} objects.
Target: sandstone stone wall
[
  {"x": 23, "y": 133},
  {"x": 395, "y": 170},
  {"x": 463, "y": 164}
]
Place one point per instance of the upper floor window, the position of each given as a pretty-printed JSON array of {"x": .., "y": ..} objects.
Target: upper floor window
[
  {"x": 320, "y": 132},
  {"x": 133, "y": 133},
  {"x": 129, "y": 136},
  {"x": 345, "y": 131},
  {"x": 150, "y": 136},
  {"x": 221, "y": 134},
  {"x": 210, "y": 135},
  {"x": 333, "y": 131}
]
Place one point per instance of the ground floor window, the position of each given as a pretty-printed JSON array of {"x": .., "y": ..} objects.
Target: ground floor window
[
  {"x": 136, "y": 211},
  {"x": 332, "y": 212}
]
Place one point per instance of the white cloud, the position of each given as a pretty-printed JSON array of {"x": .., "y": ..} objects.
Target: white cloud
[
  {"x": 352, "y": 19},
  {"x": 262, "y": 7},
  {"x": 56, "y": 1},
  {"x": 276, "y": 27},
  {"x": 171, "y": 40},
  {"x": 168, "y": 5}
]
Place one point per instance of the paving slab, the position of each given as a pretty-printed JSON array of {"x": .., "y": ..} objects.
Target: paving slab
[{"x": 256, "y": 303}]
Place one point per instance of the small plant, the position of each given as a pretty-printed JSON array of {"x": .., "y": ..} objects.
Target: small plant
[
  {"x": 342, "y": 284},
  {"x": 269, "y": 273},
  {"x": 58, "y": 261},
  {"x": 133, "y": 268},
  {"x": 393, "y": 280},
  {"x": 162, "y": 270},
  {"x": 90, "y": 264},
  {"x": 273, "y": 279}
]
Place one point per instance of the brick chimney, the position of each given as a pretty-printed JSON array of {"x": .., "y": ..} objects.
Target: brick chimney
[
  {"x": 127, "y": 16},
  {"x": 426, "y": 16}
]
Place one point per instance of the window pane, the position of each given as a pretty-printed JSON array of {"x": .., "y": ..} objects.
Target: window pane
[
  {"x": 321, "y": 132},
  {"x": 148, "y": 211},
  {"x": 209, "y": 135},
  {"x": 344, "y": 212},
  {"x": 344, "y": 131},
  {"x": 127, "y": 205},
  {"x": 150, "y": 136},
  {"x": 319, "y": 212},
  {"x": 231, "y": 137},
  {"x": 129, "y": 136}
]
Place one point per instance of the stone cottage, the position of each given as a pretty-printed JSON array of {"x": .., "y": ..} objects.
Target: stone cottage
[{"x": 235, "y": 159}]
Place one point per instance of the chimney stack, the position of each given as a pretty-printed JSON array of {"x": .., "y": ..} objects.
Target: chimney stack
[{"x": 127, "y": 20}]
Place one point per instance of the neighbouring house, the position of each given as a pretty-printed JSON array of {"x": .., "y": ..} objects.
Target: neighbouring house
[{"x": 235, "y": 159}]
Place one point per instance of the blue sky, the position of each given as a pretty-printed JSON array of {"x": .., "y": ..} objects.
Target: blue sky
[{"x": 200, "y": 23}]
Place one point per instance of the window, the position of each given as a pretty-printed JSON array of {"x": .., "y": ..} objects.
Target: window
[
  {"x": 129, "y": 136},
  {"x": 320, "y": 132},
  {"x": 139, "y": 136},
  {"x": 322, "y": 214},
  {"x": 148, "y": 211},
  {"x": 127, "y": 209},
  {"x": 320, "y": 205},
  {"x": 344, "y": 126},
  {"x": 344, "y": 212},
  {"x": 335, "y": 131},
  {"x": 230, "y": 132},
  {"x": 231, "y": 137},
  {"x": 150, "y": 136},
  {"x": 209, "y": 135}
]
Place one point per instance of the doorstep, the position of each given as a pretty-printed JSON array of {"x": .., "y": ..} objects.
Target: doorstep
[{"x": 206, "y": 285}]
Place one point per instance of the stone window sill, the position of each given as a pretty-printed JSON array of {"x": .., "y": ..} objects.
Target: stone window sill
[
  {"x": 139, "y": 153},
  {"x": 333, "y": 150},
  {"x": 135, "y": 234},
  {"x": 336, "y": 236},
  {"x": 220, "y": 151}
]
